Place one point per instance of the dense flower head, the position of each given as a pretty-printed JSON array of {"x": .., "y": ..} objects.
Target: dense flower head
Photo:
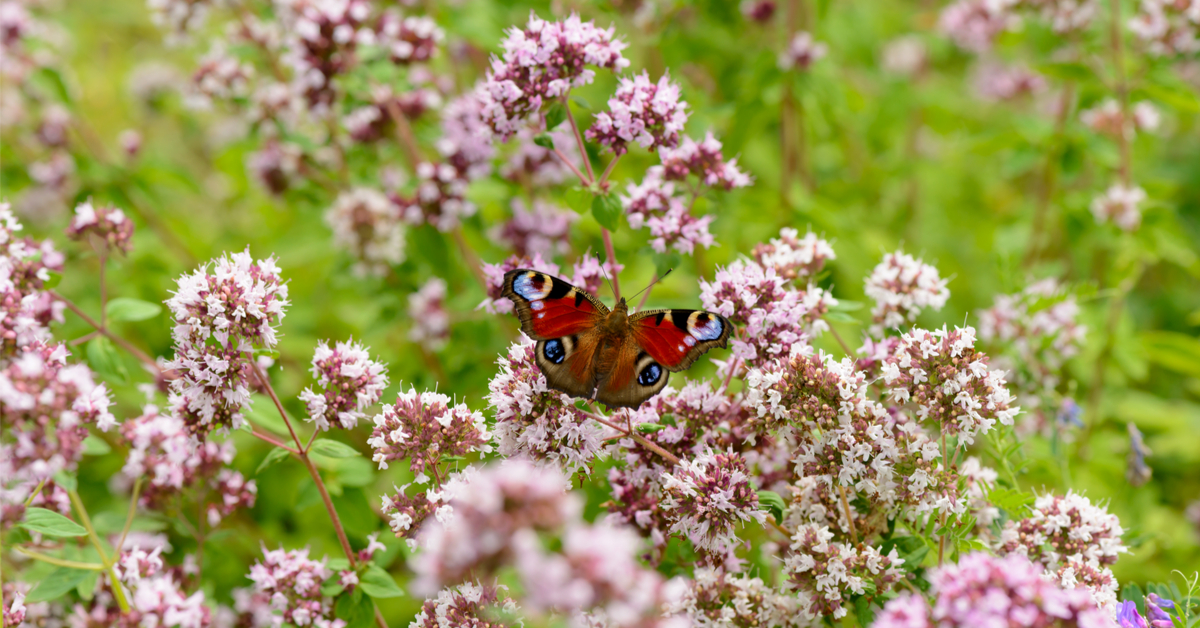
[
  {"x": 806, "y": 389},
  {"x": 219, "y": 76},
  {"x": 494, "y": 274},
  {"x": 366, "y": 222},
  {"x": 1167, "y": 28},
  {"x": 14, "y": 611},
  {"x": 948, "y": 381},
  {"x": 708, "y": 497},
  {"x": 408, "y": 39},
  {"x": 321, "y": 43},
  {"x": 223, "y": 312},
  {"x": 998, "y": 82},
  {"x": 1121, "y": 205},
  {"x": 651, "y": 114},
  {"x": 535, "y": 420},
  {"x": 541, "y": 63},
  {"x": 439, "y": 199},
  {"x": 539, "y": 166},
  {"x": 46, "y": 405},
  {"x": 824, "y": 572},
  {"x": 792, "y": 257},
  {"x": 275, "y": 164},
  {"x": 1106, "y": 117},
  {"x": 374, "y": 121},
  {"x": 1074, "y": 540},
  {"x": 25, "y": 309},
  {"x": 703, "y": 160},
  {"x": 231, "y": 491},
  {"x": 1064, "y": 16},
  {"x": 293, "y": 582},
  {"x": 802, "y": 51},
  {"x": 542, "y": 228},
  {"x": 489, "y": 509},
  {"x": 901, "y": 286},
  {"x": 654, "y": 204},
  {"x": 424, "y": 428},
  {"x": 349, "y": 381},
  {"x": 107, "y": 223},
  {"x": 1016, "y": 595},
  {"x": 405, "y": 513},
  {"x": 904, "y": 56},
  {"x": 469, "y": 605},
  {"x": 466, "y": 141},
  {"x": 974, "y": 25},
  {"x": 719, "y": 599},
  {"x": 430, "y": 320}
]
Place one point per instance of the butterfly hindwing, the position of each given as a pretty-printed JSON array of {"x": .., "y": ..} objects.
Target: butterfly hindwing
[
  {"x": 550, "y": 307},
  {"x": 635, "y": 376},
  {"x": 677, "y": 338},
  {"x": 567, "y": 365}
]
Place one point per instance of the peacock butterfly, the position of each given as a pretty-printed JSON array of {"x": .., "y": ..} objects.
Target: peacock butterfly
[{"x": 618, "y": 359}]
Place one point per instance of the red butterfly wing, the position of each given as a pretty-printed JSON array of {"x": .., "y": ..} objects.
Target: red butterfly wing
[
  {"x": 550, "y": 307},
  {"x": 677, "y": 338}
]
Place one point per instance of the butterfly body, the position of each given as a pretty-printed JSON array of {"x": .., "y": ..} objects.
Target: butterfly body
[{"x": 586, "y": 350}]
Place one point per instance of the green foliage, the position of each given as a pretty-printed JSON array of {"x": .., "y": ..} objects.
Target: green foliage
[{"x": 51, "y": 523}]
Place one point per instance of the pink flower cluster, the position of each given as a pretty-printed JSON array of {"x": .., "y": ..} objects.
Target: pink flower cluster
[
  {"x": 366, "y": 222},
  {"x": 1167, "y": 28},
  {"x": 350, "y": 382},
  {"x": 469, "y": 605},
  {"x": 424, "y": 428},
  {"x": 536, "y": 421},
  {"x": 439, "y": 199},
  {"x": 650, "y": 114},
  {"x": 718, "y": 598},
  {"x": 533, "y": 165},
  {"x": 541, "y": 63},
  {"x": 802, "y": 51},
  {"x": 466, "y": 141},
  {"x": 542, "y": 229},
  {"x": 998, "y": 82},
  {"x": 430, "y": 321},
  {"x": 221, "y": 317},
  {"x": 108, "y": 224},
  {"x": 26, "y": 310},
  {"x": 1121, "y": 205},
  {"x": 792, "y": 257},
  {"x": 1016, "y": 595},
  {"x": 654, "y": 204},
  {"x": 825, "y": 572},
  {"x": 901, "y": 286},
  {"x": 704, "y": 161},
  {"x": 1106, "y": 117},
  {"x": 408, "y": 39},
  {"x": 707, "y": 497},
  {"x": 293, "y": 582}
]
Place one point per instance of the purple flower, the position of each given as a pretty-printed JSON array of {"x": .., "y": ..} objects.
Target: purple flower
[
  {"x": 973, "y": 25},
  {"x": 802, "y": 52},
  {"x": 1129, "y": 617},
  {"x": 543, "y": 229},
  {"x": 440, "y": 197},
  {"x": 409, "y": 39},
  {"x": 162, "y": 453},
  {"x": 707, "y": 497},
  {"x": 650, "y": 114},
  {"x": 424, "y": 428},
  {"x": 468, "y": 605},
  {"x": 995, "y": 82},
  {"x": 654, "y": 204},
  {"x": 534, "y": 165},
  {"x": 1156, "y": 608},
  {"x": 466, "y": 141},
  {"x": 366, "y": 222},
  {"x": 792, "y": 257},
  {"x": 350, "y": 382},
  {"x": 109, "y": 224},
  {"x": 704, "y": 160},
  {"x": 430, "y": 321},
  {"x": 901, "y": 286},
  {"x": 293, "y": 582}
]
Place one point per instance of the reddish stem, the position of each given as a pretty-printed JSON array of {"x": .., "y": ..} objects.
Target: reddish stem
[
  {"x": 137, "y": 353},
  {"x": 579, "y": 140},
  {"x": 612, "y": 261},
  {"x": 565, "y": 160}
]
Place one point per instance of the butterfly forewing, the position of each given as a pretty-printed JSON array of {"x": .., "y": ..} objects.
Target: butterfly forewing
[
  {"x": 677, "y": 338},
  {"x": 550, "y": 307}
]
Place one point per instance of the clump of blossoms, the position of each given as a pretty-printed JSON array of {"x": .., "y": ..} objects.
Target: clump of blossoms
[
  {"x": 366, "y": 222},
  {"x": 650, "y": 114},
  {"x": 802, "y": 51},
  {"x": 424, "y": 428},
  {"x": 439, "y": 199},
  {"x": 1107, "y": 117},
  {"x": 999, "y": 82},
  {"x": 427, "y": 310},
  {"x": 824, "y": 572},
  {"x": 974, "y": 25},
  {"x": 1167, "y": 28},
  {"x": 537, "y": 166},
  {"x": 466, "y": 141},
  {"x": 536, "y": 421},
  {"x": 109, "y": 224},
  {"x": 293, "y": 582},
  {"x": 1120, "y": 204},
  {"x": 948, "y": 380},
  {"x": 469, "y": 605},
  {"x": 222, "y": 316},
  {"x": 1073, "y": 540},
  {"x": 406, "y": 513},
  {"x": 901, "y": 286},
  {"x": 1015, "y": 591},
  {"x": 26, "y": 309},
  {"x": 653, "y": 203},
  {"x": 717, "y": 598},
  {"x": 703, "y": 160},
  {"x": 350, "y": 382},
  {"x": 707, "y": 497},
  {"x": 541, "y": 63},
  {"x": 408, "y": 39},
  {"x": 792, "y": 257},
  {"x": 542, "y": 228}
]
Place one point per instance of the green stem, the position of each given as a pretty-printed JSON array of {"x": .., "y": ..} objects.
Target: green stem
[
  {"x": 118, "y": 592},
  {"x": 59, "y": 561}
]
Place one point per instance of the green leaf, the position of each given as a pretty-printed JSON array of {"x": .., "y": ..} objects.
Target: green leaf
[
  {"x": 1066, "y": 71},
  {"x": 53, "y": 281},
  {"x": 555, "y": 116},
  {"x": 356, "y": 609},
  {"x": 650, "y": 428},
  {"x": 57, "y": 584},
  {"x": 378, "y": 583},
  {"x": 544, "y": 140},
  {"x": 126, "y": 309},
  {"x": 262, "y": 412},
  {"x": 87, "y": 587},
  {"x": 583, "y": 103},
  {"x": 95, "y": 446},
  {"x": 51, "y": 523},
  {"x": 274, "y": 456},
  {"x": 578, "y": 199},
  {"x": 1173, "y": 351},
  {"x": 863, "y": 609},
  {"x": 103, "y": 358},
  {"x": 333, "y": 449},
  {"x": 840, "y": 317},
  {"x": 54, "y": 81},
  {"x": 844, "y": 305},
  {"x": 66, "y": 480},
  {"x": 1015, "y": 502},
  {"x": 607, "y": 210},
  {"x": 771, "y": 501}
]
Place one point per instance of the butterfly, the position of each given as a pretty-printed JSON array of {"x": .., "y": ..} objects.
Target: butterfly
[{"x": 618, "y": 359}]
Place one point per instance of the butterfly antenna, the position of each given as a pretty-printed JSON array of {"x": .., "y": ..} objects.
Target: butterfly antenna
[
  {"x": 605, "y": 275},
  {"x": 656, "y": 280}
]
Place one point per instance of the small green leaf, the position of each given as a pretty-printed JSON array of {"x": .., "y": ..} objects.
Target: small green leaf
[
  {"x": 57, "y": 584},
  {"x": 66, "y": 480},
  {"x": 846, "y": 306},
  {"x": 840, "y": 317},
  {"x": 53, "y": 281},
  {"x": 273, "y": 457},
  {"x": 863, "y": 609},
  {"x": 356, "y": 609},
  {"x": 333, "y": 449},
  {"x": 378, "y": 583},
  {"x": 650, "y": 428},
  {"x": 578, "y": 199},
  {"x": 555, "y": 115},
  {"x": 87, "y": 587},
  {"x": 126, "y": 309},
  {"x": 103, "y": 358},
  {"x": 583, "y": 103},
  {"x": 1012, "y": 501},
  {"x": 95, "y": 446},
  {"x": 544, "y": 140},
  {"x": 51, "y": 523},
  {"x": 772, "y": 502},
  {"x": 607, "y": 210},
  {"x": 262, "y": 412}
]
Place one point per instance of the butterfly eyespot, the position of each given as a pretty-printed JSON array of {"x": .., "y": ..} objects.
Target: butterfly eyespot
[
  {"x": 537, "y": 305},
  {"x": 704, "y": 326},
  {"x": 650, "y": 375},
  {"x": 554, "y": 351}
]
